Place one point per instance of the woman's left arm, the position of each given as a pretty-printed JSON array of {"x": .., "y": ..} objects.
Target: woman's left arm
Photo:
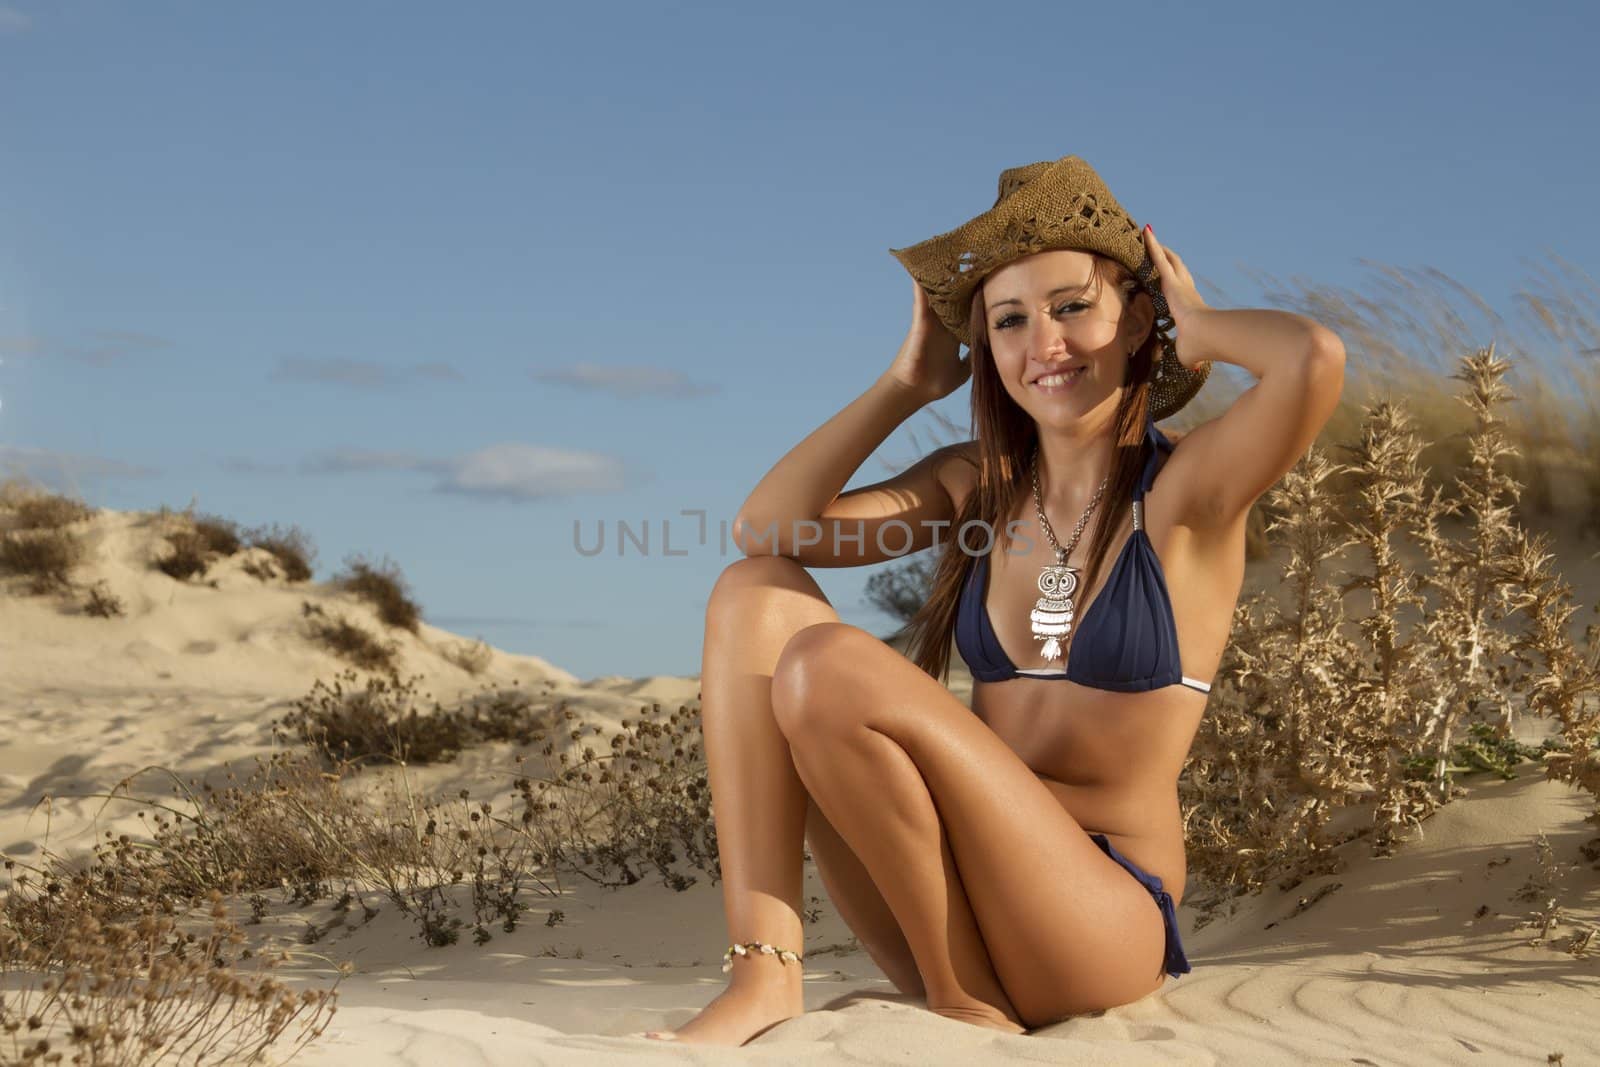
[{"x": 1226, "y": 463}]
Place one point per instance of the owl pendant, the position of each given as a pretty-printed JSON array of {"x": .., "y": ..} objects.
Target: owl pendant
[{"x": 1052, "y": 612}]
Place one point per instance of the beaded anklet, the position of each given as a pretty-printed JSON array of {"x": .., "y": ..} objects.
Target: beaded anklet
[{"x": 748, "y": 947}]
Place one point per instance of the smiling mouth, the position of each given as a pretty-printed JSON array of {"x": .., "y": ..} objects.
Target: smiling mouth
[{"x": 1060, "y": 382}]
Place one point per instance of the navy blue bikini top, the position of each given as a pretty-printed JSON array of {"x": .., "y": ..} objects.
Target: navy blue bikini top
[{"x": 1127, "y": 641}]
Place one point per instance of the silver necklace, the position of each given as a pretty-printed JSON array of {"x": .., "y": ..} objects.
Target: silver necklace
[{"x": 1052, "y": 613}]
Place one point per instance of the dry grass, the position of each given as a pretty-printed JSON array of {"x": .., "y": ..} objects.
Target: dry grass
[
  {"x": 43, "y": 558},
  {"x": 384, "y": 587},
  {"x": 196, "y": 542},
  {"x": 219, "y": 535},
  {"x": 349, "y": 641},
  {"x": 101, "y": 602},
  {"x": 189, "y": 556},
  {"x": 291, "y": 551},
  {"x": 142, "y": 990},
  {"x": 383, "y": 720},
  {"x": 27, "y": 506},
  {"x": 86, "y": 948},
  {"x": 37, "y": 541}
]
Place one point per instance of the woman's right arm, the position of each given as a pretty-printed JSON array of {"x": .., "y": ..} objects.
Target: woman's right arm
[{"x": 796, "y": 510}]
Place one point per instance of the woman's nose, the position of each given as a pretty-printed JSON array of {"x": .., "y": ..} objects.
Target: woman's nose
[{"x": 1047, "y": 340}]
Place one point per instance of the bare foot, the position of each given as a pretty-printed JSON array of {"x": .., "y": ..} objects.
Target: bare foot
[{"x": 753, "y": 1002}]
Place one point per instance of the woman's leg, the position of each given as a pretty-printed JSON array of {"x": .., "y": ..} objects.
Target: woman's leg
[
  {"x": 1011, "y": 910},
  {"x": 760, "y": 807},
  {"x": 856, "y": 898}
]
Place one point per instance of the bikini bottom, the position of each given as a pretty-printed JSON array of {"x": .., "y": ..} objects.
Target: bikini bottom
[{"x": 1176, "y": 963}]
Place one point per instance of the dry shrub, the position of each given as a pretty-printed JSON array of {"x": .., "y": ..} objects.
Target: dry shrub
[
  {"x": 608, "y": 816},
  {"x": 88, "y": 992},
  {"x": 1319, "y": 706},
  {"x": 381, "y": 720},
  {"x": 384, "y": 587},
  {"x": 219, "y": 535},
  {"x": 90, "y": 941},
  {"x": 290, "y": 548},
  {"x": 27, "y": 506},
  {"x": 264, "y": 833},
  {"x": 44, "y": 557},
  {"x": 101, "y": 602},
  {"x": 640, "y": 802},
  {"x": 348, "y": 640},
  {"x": 196, "y": 541},
  {"x": 36, "y": 540},
  {"x": 189, "y": 558}
]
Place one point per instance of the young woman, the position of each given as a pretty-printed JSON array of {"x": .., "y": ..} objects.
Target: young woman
[{"x": 1018, "y": 863}]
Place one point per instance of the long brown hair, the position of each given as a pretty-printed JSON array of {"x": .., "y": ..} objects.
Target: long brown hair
[{"x": 1006, "y": 436}]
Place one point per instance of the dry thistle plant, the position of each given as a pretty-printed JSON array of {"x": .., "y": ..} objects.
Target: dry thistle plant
[
  {"x": 1540, "y": 889},
  {"x": 141, "y": 990},
  {"x": 1319, "y": 708}
]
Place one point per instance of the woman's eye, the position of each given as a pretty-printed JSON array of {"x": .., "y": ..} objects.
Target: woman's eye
[{"x": 1005, "y": 323}]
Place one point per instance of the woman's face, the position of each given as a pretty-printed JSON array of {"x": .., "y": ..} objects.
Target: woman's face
[{"x": 1047, "y": 315}]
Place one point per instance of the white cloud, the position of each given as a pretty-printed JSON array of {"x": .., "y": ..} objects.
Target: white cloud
[
  {"x": 510, "y": 470},
  {"x": 14, "y": 21},
  {"x": 529, "y": 472}
]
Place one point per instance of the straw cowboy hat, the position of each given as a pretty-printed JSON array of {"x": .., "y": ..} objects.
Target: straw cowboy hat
[{"x": 1051, "y": 204}]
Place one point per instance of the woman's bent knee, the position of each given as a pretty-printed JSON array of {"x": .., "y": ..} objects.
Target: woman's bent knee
[
  {"x": 761, "y": 573},
  {"x": 760, "y": 569},
  {"x": 812, "y": 657}
]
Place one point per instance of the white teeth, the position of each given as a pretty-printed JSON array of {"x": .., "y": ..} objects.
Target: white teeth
[{"x": 1058, "y": 379}]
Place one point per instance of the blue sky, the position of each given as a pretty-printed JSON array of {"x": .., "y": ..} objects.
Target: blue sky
[{"x": 435, "y": 281}]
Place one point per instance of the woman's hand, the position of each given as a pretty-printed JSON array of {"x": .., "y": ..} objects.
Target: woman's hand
[
  {"x": 929, "y": 362},
  {"x": 1177, "y": 285}
]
